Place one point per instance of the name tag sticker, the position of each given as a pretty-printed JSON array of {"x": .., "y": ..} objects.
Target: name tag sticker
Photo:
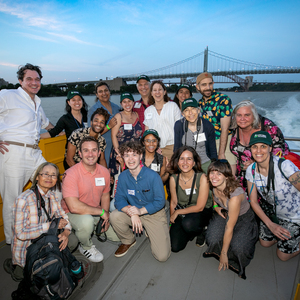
[
  {"x": 209, "y": 113},
  {"x": 155, "y": 167},
  {"x": 131, "y": 192},
  {"x": 85, "y": 124},
  {"x": 100, "y": 181},
  {"x": 201, "y": 137},
  {"x": 148, "y": 116},
  {"x": 137, "y": 104},
  {"x": 128, "y": 126},
  {"x": 188, "y": 191},
  {"x": 240, "y": 148}
]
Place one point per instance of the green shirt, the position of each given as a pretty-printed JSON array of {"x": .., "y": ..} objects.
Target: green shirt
[{"x": 216, "y": 107}]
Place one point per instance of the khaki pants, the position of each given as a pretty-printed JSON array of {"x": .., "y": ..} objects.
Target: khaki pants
[
  {"x": 156, "y": 227},
  {"x": 229, "y": 156}
]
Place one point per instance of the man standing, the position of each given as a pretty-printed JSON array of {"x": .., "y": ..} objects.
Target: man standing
[
  {"x": 86, "y": 197},
  {"x": 143, "y": 86},
  {"x": 140, "y": 201},
  {"x": 216, "y": 108},
  {"x": 21, "y": 119},
  {"x": 98, "y": 121}
]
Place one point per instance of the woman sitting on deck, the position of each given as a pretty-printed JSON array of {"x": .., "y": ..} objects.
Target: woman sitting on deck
[
  {"x": 31, "y": 220},
  {"x": 232, "y": 232},
  {"x": 278, "y": 184},
  {"x": 190, "y": 208}
]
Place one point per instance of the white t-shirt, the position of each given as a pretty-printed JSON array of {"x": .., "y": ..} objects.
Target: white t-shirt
[
  {"x": 287, "y": 197},
  {"x": 163, "y": 123}
]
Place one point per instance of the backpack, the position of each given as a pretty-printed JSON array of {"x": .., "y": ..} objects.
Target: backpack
[{"x": 51, "y": 273}]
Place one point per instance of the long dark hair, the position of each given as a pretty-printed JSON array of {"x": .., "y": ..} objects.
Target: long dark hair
[
  {"x": 224, "y": 167},
  {"x": 173, "y": 164},
  {"x": 84, "y": 109},
  {"x": 151, "y": 99},
  {"x": 176, "y": 100}
]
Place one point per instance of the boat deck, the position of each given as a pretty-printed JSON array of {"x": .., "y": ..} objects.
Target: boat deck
[{"x": 186, "y": 275}]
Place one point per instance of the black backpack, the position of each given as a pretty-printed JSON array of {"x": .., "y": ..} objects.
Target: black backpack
[{"x": 51, "y": 273}]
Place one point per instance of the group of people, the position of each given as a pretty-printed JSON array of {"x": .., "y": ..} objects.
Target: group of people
[{"x": 219, "y": 164}]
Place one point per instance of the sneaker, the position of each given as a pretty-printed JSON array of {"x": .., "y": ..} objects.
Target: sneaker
[
  {"x": 15, "y": 271},
  {"x": 123, "y": 249},
  {"x": 92, "y": 254},
  {"x": 200, "y": 241}
]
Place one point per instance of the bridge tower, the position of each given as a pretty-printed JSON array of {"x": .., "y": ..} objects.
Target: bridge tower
[{"x": 205, "y": 64}]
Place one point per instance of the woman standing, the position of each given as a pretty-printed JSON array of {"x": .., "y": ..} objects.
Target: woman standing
[
  {"x": 190, "y": 209},
  {"x": 278, "y": 183},
  {"x": 128, "y": 128},
  {"x": 246, "y": 121},
  {"x": 183, "y": 92},
  {"x": 161, "y": 116},
  {"x": 31, "y": 219},
  {"x": 75, "y": 118},
  {"x": 102, "y": 92},
  {"x": 194, "y": 131},
  {"x": 151, "y": 159},
  {"x": 232, "y": 232}
]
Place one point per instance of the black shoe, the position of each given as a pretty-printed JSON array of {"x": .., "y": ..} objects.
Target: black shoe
[
  {"x": 200, "y": 241},
  {"x": 16, "y": 272}
]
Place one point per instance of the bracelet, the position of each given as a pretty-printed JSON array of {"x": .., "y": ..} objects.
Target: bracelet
[
  {"x": 216, "y": 205},
  {"x": 107, "y": 127},
  {"x": 103, "y": 212}
]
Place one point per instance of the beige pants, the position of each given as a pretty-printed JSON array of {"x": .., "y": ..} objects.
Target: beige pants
[
  {"x": 155, "y": 225},
  {"x": 229, "y": 156},
  {"x": 167, "y": 151}
]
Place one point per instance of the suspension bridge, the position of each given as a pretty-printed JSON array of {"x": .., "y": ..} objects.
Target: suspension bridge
[{"x": 228, "y": 68}]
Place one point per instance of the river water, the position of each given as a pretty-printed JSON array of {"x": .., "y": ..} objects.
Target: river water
[{"x": 283, "y": 108}]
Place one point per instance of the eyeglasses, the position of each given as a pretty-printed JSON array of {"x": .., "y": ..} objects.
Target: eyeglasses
[
  {"x": 44, "y": 175},
  {"x": 150, "y": 141}
]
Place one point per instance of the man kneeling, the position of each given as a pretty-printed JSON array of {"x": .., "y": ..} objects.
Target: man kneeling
[{"x": 140, "y": 201}]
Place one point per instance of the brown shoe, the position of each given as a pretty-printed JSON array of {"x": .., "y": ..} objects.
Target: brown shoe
[{"x": 123, "y": 249}]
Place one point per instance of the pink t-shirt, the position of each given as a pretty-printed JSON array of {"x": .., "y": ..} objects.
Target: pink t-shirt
[{"x": 87, "y": 187}]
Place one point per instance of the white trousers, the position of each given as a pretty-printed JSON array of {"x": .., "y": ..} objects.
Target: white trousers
[{"x": 16, "y": 168}]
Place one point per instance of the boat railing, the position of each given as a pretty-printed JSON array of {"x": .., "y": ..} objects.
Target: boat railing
[{"x": 294, "y": 139}]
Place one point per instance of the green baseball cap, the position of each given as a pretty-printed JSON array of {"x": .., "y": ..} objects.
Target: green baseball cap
[
  {"x": 126, "y": 96},
  {"x": 189, "y": 102},
  {"x": 186, "y": 86},
  {"x": 260, "y": 137},
  {"x": 143, "y": 77},
  {"x": 72, "y": 94},
  {"x": 151, "y": 131}
]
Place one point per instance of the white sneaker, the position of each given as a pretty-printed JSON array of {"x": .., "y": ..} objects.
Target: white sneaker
[{"x": 92, "y": 254}]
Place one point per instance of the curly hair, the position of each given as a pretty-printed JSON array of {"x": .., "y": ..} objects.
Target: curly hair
[
  {"x": 173, "y": 164},
  {"x": 102, "y": 112},
  {"x": 223, "y": 167},
  {"x": 23, "y": 69},
  {"x": 151, "y": 99},
  {"x": 131, "y": 146}
]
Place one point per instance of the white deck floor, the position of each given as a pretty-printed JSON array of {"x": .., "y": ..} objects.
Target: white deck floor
[{"x": 186, "y": 275}]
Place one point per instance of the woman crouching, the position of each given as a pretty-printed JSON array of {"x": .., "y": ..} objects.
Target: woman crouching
[
  {"x": 232, "y": 232},
  {"x": 31, "y": 217},
  {"x": 190, "y": 209}
]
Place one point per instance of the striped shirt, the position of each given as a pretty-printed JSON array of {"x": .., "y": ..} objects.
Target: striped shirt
[{"x": 27, "y": 225}]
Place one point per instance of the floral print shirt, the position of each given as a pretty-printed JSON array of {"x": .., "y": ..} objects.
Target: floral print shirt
[{"x": 243, "y": 153}]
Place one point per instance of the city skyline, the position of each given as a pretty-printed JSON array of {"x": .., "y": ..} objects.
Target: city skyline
[{"x": 89, "y": 40}]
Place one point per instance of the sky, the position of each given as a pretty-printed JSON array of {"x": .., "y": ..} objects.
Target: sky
[{"x": 92, "y": 40}]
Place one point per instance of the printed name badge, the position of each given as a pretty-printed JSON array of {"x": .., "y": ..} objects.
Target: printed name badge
[
  {"x": 131, "y": 192},
  {"x": 188, "y": 191},
  {"x": 148, "y": 116},
  {"x": 100, "y": 181},
  {"x": 155, "y": 167},
  {"x": 128, "y": 126},
  {"x": 137, "y": 104},
  {"x": 240, "y": 148},
  {"x": 209, "y": 113},
  {"x": 201, "y": 137}
]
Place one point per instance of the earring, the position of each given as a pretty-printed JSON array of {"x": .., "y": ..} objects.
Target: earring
[{"x": 141, "y": 164}]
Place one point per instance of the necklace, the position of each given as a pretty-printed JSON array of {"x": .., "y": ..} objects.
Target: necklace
[{"x": 185, "y": 181}]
